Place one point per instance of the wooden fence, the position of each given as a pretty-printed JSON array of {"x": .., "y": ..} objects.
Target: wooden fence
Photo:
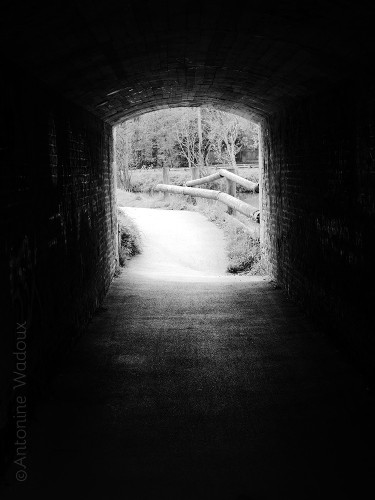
[{"x": 229, "y": 198}]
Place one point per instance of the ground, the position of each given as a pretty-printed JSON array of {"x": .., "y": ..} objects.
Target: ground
[
  {"x": 241, "y": 233},
  {"x": 179, "y": 243},
  {"x": 211, "y": 387}
]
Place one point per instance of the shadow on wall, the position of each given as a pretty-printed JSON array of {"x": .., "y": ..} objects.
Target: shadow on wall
[
  {"x": 319, "y": 215},
  {"x": 58, "y": 230}
]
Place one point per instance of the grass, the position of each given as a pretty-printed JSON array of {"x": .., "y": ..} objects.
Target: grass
[
  {"x": 130, "y": 239},
  {"x": 144, "y": 181},
  {"x": 244, "y": 252}
]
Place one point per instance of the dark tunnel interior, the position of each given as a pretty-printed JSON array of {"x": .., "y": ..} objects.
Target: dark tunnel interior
[{"x": 73, "y": 70}]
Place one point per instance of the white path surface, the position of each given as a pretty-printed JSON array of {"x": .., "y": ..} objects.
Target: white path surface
[{"x": 179, "y": 245}]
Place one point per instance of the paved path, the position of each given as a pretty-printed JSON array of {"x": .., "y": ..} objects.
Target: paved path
[
  {"x": 201, "y": 389},
  {"x": 177, "y": 243},
  {"x": 179, "y": 246}
]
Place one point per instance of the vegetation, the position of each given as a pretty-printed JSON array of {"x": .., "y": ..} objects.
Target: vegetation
[
  {"x": 243, "y": 249},
  {"x": 227, "y": 134},
  {"x": 130, "y": 239},
  {"x": 182, "y": 138},
  {"x": 241, "y": 236}
]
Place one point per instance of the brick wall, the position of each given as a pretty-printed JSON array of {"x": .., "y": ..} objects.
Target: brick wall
[
  {"x": 58, "y": 220},
  {"x": 319, "y": 210}
]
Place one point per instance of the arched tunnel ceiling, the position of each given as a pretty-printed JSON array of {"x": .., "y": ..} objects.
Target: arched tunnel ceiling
[{"x": 121, "y": 58}]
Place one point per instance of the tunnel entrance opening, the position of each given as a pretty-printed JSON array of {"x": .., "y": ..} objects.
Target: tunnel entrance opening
[{"x": 211, "y": 155}]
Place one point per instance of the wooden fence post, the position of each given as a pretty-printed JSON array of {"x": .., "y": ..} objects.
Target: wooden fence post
[
  {"x": 231, "y": 189},
  {"x": 166, "y": 181}
]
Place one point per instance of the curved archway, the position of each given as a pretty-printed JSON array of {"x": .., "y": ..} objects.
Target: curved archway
[{"x": 118, "y": 59}]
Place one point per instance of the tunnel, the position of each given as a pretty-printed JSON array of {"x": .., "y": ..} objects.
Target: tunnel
[{"x": 72, "y": 71}]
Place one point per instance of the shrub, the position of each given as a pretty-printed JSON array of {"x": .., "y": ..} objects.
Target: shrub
[
  {"x": 130, "y": 239},
  {"x": 244, "y": 253},
  {"x": 242, "y": 242}
]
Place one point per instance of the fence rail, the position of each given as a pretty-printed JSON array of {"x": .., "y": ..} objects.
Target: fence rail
[
  {"x": 234, "y": 204},
  {"x": 239, "y": 166},
  {"x": 204, "y": 180},
  {"x": 253, "y": 186},
  {"x": 227, "y": 199}
]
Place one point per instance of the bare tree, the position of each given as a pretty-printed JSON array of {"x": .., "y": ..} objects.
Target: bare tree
[
  {"x": 123, "y": 152},
  {"x": 186, "y": 135},
  {"x": 200, "y": 139},
  {"x": 227, "y": 134},
  {"x": 166, "y": 137}
]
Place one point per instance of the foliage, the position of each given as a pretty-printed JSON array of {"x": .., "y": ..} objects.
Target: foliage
[
  {"x": 185, "y": 128},
  {"x": 181, "y": 137},
  {"x": 243, "y": 251},
  {"x": 226, "y": 134},
  {"x": 130, "y": 239},
  {"x": 123, "y": 154},
  {"x": 242, "y": 242}
]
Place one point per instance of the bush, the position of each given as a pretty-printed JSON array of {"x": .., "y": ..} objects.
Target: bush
[
  {"x": 242, "y": 242},
  {"x": 244, "y": 254},
  {"x": 130, "y": 239}
]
